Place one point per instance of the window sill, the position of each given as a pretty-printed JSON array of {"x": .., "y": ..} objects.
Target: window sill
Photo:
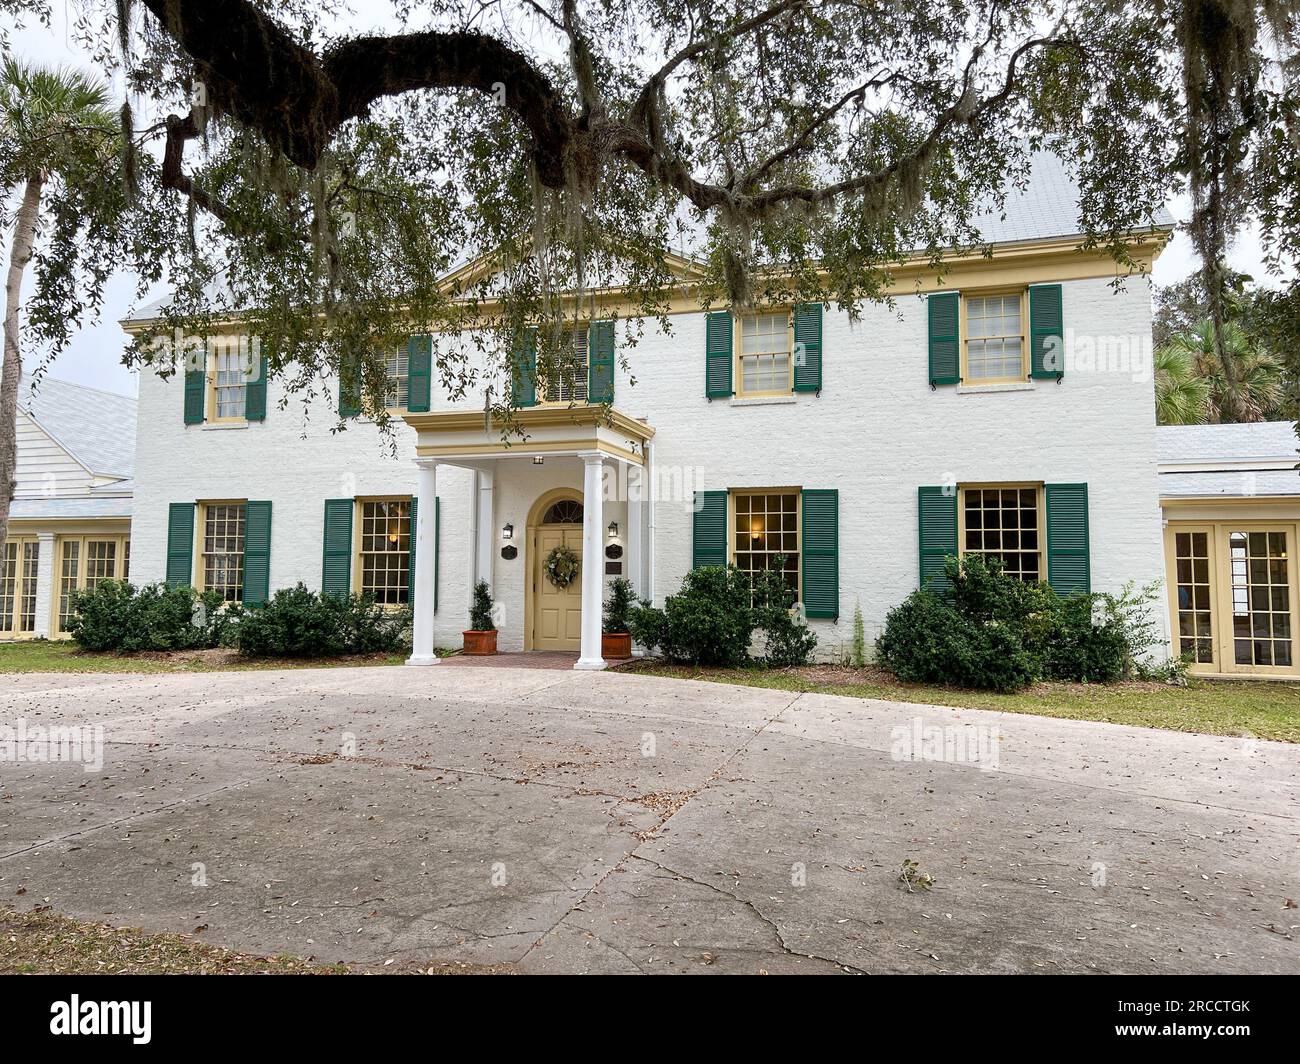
[
  {"x": 223, "y": 425},
  {"x": 763, "y": 400},
  {"x": 990, "y": 389}
]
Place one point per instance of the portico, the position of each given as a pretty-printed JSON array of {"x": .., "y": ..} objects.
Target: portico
[{"x": 592, "y": 459}]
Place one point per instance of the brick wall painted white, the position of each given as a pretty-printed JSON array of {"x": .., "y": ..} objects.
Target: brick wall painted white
[{"x": 876, "y": 432}]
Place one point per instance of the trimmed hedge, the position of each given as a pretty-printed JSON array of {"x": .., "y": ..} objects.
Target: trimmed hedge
[
  {"x": 298, "y": 623},
  {"x": 995, "y": 632},
  {"x": 116, "y": 615}
]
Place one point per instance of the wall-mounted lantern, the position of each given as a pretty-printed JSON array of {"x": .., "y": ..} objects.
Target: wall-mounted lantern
[
  {"x": 613, "y": 528},
  {"x": 508, "y": 532}
]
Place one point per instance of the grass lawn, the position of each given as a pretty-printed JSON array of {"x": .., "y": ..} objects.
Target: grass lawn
[
  {"x": 1214, "y": 707},
  {"x": 43, "y": 943},
  {"x": 41, "y": 655}
]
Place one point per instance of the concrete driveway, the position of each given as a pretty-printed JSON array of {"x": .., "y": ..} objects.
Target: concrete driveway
[{"x": 578, "y": 822}]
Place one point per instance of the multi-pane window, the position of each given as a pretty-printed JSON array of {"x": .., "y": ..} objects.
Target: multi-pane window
[
  {"x": 765, "y": 353},
  {"x": 566, "y": 381},
  {"x": 18, "y": 567},
  {"x": 995, "y": 341},
  {"x": 386, "y": 550},
  {"x": 1192, "y": 572},
  {"x": 223, "y": 549},
  {"x": 230, "y": 384},
  {"x": 1003, "y": 523},
  {"x": 1261, "y": 598},
  {"x": 82, "y": 563},
  {"x": 767, "y": 529},
  {"x": 397, "y": 380}
]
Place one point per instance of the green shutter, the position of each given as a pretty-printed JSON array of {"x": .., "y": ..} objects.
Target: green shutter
[
  {"x": 523, "y": 370},
  {"x": 1068, "y": 570},
  {"x": 600, "y": 360},
  {"x": 196, "y": 395},
  {"x": 717, "y": 355},
  {"x": 937, "y": 518},
  {"x": 410, "y": 575},
  {"x": 349, "y": 386},
  {"x": 945, "y": 338},
  {"x": 709, "y": 541},
  {"x": 180, "y": 544},
  {"x": 337, "y": 578},
  {"x": 257, "y": 552},
  {"x": 821, "y": 553},
  {"x": 419, "y": 361},
  {"x": 255, "y": 394},
  {"x": 1046, "y": 332},
  {"x": 808, "y": 347}
]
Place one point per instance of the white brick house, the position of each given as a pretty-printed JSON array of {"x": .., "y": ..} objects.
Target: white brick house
[{"x": 1006, "y": 406}]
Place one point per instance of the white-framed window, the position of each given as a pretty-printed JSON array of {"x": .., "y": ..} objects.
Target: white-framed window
[
  {"x": 764, "y": 354},
  {"x": 229, "y": 395},
  {"x": 566, "y": 381},
  {"x": 765, "y": 532},
  {"x": 384, "y": 562},
  {"x": 1004, "y": 521},
  {"x": 397, "y": 380},
  {"x": 223, "y": 549},
  {"x": 995, "y": 338}
]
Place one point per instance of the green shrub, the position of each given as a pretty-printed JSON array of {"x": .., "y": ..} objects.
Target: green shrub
[
  {"x": 787, "y": 640},
  {"x": 115, "y": 615},
  {"x": 298, "y": 623},
  {"x": 994, "y": 632},
  {"x": 708, "y": 622},
  {"x": 480, "y": 609},
  {"x": 619, "y": 605}
]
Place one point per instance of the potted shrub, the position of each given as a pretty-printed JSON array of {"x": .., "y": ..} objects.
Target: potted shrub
[
  {"x": 482, "y": 635},
  {"x": 615, "y": 640}
]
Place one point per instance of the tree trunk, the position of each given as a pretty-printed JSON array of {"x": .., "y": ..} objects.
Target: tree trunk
[{"x": 11, "y": 370}]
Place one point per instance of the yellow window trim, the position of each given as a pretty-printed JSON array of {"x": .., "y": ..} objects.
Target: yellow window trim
[
  {"x": 357, "y": 553},
  {"x": 797, "y": 492},
  {"x": 1041, "y": 499},
  {"x": 965, "y": 296},
  {"x": 122, "y": 540},
  {"x": 737, "y": 347},
  {"x": 210, "y": 395},
  {"x": 12, "y": 631},
  {"x": 1221, "y": 634},
  {"x": 200, "y": 525}
]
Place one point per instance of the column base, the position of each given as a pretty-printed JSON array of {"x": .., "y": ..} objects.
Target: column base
[
  {"x": 589, "y": 664},
  {"x": 422, "y": 659}
]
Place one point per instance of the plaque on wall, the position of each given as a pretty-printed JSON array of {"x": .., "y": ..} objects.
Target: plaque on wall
[
  {"x": 510, "y": 552},
  {"x": 613, "y": 568},
  {"x": 613, "y": 551}
]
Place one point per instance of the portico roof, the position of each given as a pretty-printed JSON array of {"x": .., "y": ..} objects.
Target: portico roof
[{"x": 454, "y": 436}]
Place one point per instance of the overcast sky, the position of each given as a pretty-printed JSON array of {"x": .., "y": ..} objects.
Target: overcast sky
[{"x": 94, "y": 357}]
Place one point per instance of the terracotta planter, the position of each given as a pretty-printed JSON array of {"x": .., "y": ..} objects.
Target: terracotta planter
[
  {"x": 615, "y": 645},
  {"x": 480, "y": 642}
]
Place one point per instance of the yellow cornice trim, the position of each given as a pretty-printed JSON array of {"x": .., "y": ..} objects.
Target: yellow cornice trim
[{"x": 532, "y": 417}]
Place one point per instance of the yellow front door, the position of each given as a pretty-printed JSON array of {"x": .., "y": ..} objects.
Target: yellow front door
[{"x": 557, "y": 612}]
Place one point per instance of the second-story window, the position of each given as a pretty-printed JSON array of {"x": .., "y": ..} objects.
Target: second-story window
[
  {"x": 765, "y": 354},
  {"x": 566, "y": 382},
  {"x": 397, "y": 373},
  {"x": 229, "y": 385},
  {"x": 995, "y": 339}
]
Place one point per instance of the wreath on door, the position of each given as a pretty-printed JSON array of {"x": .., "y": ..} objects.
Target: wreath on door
[{"x": 561, "y": 567}]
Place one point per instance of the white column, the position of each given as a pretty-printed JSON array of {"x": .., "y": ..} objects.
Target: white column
[
  {"x": 593, "y": 576},
  {"x": 635, "y": 551},
  {"x": 426, "y": 512},
  {"x": 45, "y": 589},
  {"x": 486, "y": 525}
]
